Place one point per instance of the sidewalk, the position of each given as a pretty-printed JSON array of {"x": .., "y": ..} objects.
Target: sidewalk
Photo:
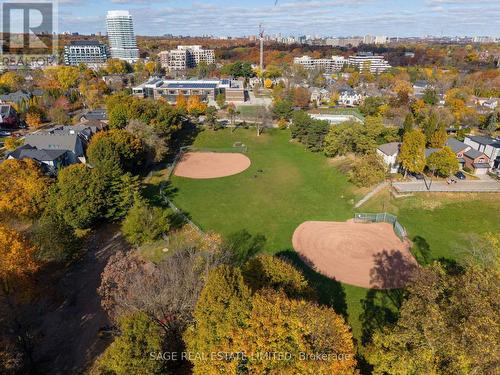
[{"x": 475, "y": 186}]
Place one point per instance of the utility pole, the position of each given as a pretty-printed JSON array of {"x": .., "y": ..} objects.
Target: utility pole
[{"x": 261, "y": 35}]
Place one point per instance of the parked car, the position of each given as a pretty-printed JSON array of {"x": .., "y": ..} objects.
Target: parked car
[
  {"x": 419, "y": 176},
  {"x": 3, "y": 133},
  {"x": 460, "y": 175}
]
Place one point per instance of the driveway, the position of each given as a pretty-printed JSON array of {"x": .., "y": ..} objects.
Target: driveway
[
  {"x": 66, "y": 326},
  {"x": 475, "y": 186}
]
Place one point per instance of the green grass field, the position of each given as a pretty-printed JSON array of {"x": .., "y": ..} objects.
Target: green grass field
[{"x": 296, "y": 185}]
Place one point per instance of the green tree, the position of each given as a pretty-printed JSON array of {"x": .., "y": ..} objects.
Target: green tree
[
  {"x": 144, "y": 223},
  {"x": 223, "y": 307},
  {"x": 283, "y": 109},
  {"x": 116, "y": 145},
  {"x": 244, "y": 246},
  {"x": 371, "y": 105},
  {"x": 131, "y": 351},
  {"x": 408, "y": 123},
  {"x": 211, "y": 117},
  {"x": 492, "y": 123},
  {"x": 54, "y": 238},
  {"x": 447, "y": 325},
  {"x": 270, "y": 272},
  {"x": 439, "y": 137},
  {"x": 443, "y": 162},
  {"x": 79, "y": 196},
  {"x": 368, "y": 170},
  {"x": 221, "y": 100},
  {"x": 412, "y": 153},
  {"x": 118, "y": 116},
  {"x": 430, "y": 96}
]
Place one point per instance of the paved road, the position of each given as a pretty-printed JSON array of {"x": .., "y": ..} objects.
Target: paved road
[
  {"x": 66, "y": 328},
  {"x": 441, "y": 186}
]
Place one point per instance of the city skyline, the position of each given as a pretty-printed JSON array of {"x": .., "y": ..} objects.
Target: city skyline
[{"x": 322, "y": 18}]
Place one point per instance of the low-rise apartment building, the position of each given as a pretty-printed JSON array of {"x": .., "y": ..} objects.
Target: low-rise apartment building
[
  {"x": 186, "y": 57},
  {"x": 207, "y": 90},
  {"x": 362, "y": 61},
  {"x": 90, "y": 52}
]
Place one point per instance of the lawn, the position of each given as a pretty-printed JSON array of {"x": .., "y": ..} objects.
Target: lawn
[{"x": 296, "y": 185}]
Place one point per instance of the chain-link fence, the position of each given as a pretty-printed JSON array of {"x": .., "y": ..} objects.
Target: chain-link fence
[{"x": 383, "y": 217}]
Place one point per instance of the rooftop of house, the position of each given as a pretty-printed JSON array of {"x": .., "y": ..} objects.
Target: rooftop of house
[
  {"x": 41, "y": 155},
  {"x": 484, "y": 140},
  {"x": 455, "y": 145},
  {"x": 430, "y": 151},
  {"x": 473, "y": 154},
  {"x": 96, "y": 114},
  {"x": 60, "y": 138},
  {"x": 421, "y": 83},
  {"x": 5, "y": 109},
  {"x": 390, "y": 149},
  {"x": 15, "y": 97}
]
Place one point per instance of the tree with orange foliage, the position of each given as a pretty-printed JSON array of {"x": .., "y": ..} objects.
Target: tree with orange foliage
[
  {"x": 181, "y": 102},
  {"x": 23, "y": 188},
  {"x": 17, "y": 256},
  {"x": 301, "y": 97},
  {"x": 195, "y": 106},
  {"x": 34, "y": 120}
]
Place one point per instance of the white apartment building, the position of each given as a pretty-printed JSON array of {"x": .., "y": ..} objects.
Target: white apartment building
[
  {"x": 121, "y": 36},
  {"x": 368, "y": 61},
  {"x": 334, "y": 64},
  {"x": 186, "y": 57}
]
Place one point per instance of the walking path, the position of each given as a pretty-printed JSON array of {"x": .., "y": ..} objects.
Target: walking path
[
  {"x": 475, "y": 186},
  {"x": 371, "y": 194}
]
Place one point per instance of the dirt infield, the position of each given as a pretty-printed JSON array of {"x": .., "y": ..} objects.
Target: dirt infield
[
  {"x": 204, "y": 165},
  {"x": 365, "y": 255}
]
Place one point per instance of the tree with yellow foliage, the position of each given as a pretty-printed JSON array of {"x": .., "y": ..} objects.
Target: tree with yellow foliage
[
  {"x": 181, "y": 102},
  {"x": 116, "y": 66},
  {"x": 12, "y": 143},
  {"x": 17, "y": 256},
  {"x": 34, "y": 120},
  {"x": 195, "y": 106},
  {"x": 11, "y": 80},
  {"x": 268, "y": 83},
  {"x": 23, "y": 188}
]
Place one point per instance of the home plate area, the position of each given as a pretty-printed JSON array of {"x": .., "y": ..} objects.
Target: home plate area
[{"x": 368, "y": 255}]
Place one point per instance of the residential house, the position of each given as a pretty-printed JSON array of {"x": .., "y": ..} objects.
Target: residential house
[
  {"x": 15, "y": 97},
  {"x": 488, "y": 145},
  {"x": 319, "y": 95},
  {"x": 73, "y": 139},
  {"x": 8, "y": 116},
  {"x": 49, "y": 160},
  {"x": 476, "y": 161},
  {"x": 99, "y": 114},
  {"x": 419, "y": 88},
  {"x": 389, "y": 153},
  {"x": 459, "y": 148},
  {"x": 349, "y": 98}
]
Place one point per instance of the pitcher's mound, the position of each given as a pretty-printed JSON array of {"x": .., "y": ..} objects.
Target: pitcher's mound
[
  {"x": 203, "y": 165},
  {"x": 365, "y": 255}
]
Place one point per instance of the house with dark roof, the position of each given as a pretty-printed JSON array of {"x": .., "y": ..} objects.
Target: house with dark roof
[
  {"x": 476, "y": 161},
  {"x": 459, "y": 148},
  {"x": 96, "y": 114},
  {"x": 8, "y": 116},
  {"x": 487, "y": 145},
  {"x": 15, "y": 97},
  {"x": 389, "y": 153},
  {"x": 49, "y": 160},
  {"x": 57, "y": 147}
]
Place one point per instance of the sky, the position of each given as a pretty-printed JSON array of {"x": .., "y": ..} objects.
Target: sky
[{"x": 290, "y": 17}]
